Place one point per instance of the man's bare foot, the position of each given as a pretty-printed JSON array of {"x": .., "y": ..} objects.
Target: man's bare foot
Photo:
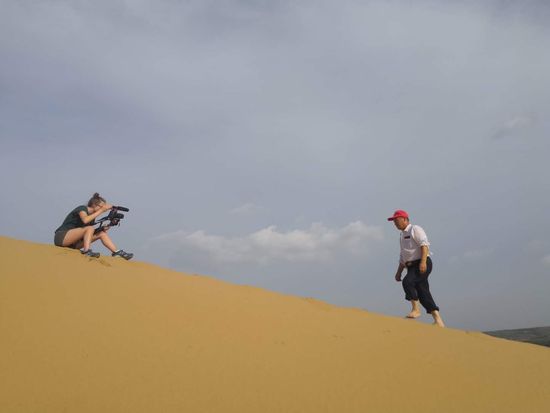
[
  {"x": 438, "y": 321},
  {"x": 413, "y": 314},
  {"x": 415, "y": 310}
]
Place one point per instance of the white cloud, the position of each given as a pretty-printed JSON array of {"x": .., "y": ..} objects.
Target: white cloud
[
  {"x": 513, "y": 125},
  {"x": 476, "y": 254},
  {"x": 472, "y": 255},
  {"x": 317, "y": 243},
  {"x": 536, "y": 246},
  {"x": 247, "y": 208}
]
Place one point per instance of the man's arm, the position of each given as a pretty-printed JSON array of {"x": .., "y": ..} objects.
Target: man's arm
[
  {"x": 399, "y": 271},
  {"x": 419, "y": 235},
  {"x": 423, "y": 266}
]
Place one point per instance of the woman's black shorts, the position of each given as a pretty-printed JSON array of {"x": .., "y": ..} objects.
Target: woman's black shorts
[{"x": 59, "y": 237}]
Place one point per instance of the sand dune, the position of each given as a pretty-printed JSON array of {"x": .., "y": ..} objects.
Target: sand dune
[{"x": 106, "y": 335}]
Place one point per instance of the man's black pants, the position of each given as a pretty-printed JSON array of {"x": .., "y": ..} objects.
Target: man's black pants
[{"x": 416, "y": 285}]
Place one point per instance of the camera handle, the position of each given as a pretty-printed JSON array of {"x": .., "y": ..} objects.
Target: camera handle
[{"x": 113, "y": 216}]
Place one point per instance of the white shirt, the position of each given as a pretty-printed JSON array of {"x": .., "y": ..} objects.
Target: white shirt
[{"x": 412, "y": 238}]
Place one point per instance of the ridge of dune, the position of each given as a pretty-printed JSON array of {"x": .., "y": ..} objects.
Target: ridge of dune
[{"x": 106, "y": 335}]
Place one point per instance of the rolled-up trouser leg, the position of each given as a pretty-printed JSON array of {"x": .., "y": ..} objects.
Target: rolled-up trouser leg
[
  {"x": 425, "y": 296},
  {"x": 416, "y": 286},
  {"x": 423, "y": 287},
  {"x": 409, "y": 286}
]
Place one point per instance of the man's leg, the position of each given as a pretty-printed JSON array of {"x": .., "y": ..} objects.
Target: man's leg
[
  {"x": 427, "y": 301},
  {"x": 411, "y": 294},
  {"x": 415, "y": 309},
  {"x": 438, "y": 321}
]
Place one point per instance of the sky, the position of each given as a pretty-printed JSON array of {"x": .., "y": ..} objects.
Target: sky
[{"x": 266, "y": 142}]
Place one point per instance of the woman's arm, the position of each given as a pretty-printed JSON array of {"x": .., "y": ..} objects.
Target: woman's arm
[{"x": 86, "y": 219}]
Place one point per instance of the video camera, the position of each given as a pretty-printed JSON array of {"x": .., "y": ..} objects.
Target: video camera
[{"x": 111, "y": 220}]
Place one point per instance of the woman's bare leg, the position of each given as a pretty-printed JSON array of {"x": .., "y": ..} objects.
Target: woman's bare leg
[
  {"x": 81, "y": 243},
  {"x": 106, "y": 240},
  {"x": 73, "y": 236},
  {"x": 85, "y": 239}
]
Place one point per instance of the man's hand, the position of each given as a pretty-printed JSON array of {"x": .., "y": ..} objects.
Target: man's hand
[
  {"x": 423, "y": 267},
  {"x": 399, "y": 271},
  {"x": 423, "y": 259}
]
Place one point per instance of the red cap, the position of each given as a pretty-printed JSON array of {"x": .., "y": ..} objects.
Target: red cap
[{"x": 399, "y": 213}]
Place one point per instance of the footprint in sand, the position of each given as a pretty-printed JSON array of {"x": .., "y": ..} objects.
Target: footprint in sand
[
  {"x": 100, "y": 261},
  {"x": 319, "y": 304}
]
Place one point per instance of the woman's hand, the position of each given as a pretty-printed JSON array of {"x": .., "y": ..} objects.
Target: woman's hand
[{"x": 106, "y": 207}]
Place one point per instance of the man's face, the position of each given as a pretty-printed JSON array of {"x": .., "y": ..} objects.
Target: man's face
[{"x": 401, "y": 223}]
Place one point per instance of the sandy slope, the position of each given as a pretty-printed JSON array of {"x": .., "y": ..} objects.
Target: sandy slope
[{"x": 85, "y": 335}]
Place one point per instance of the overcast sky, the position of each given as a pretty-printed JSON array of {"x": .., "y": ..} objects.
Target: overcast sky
[{"x": 266, "y": 142}]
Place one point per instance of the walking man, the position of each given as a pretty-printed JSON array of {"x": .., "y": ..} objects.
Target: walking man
[{"x": 415, "y": 256}]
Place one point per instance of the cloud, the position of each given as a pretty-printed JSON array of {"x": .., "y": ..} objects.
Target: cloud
[
  {"x": 247, "y": 208},
  {"x": 476, "y": 254},
  {"x": 514, "y": 125},
  {"x": 546, "y": 260},
  {"x": 317, "y": 243},
  {"x": 536, "y": 246},
  {"x": 472, "y": 255}
]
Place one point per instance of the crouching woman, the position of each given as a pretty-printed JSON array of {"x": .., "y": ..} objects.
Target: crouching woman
[{"x": 77, "y": 230}]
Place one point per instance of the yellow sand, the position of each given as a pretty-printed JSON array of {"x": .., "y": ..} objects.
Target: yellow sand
[{"x": 106, "y": 335}]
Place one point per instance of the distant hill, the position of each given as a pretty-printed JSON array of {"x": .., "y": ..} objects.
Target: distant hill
[
  {"x": 87, "y": 335},
  {"x": 536, "y": 335}
]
